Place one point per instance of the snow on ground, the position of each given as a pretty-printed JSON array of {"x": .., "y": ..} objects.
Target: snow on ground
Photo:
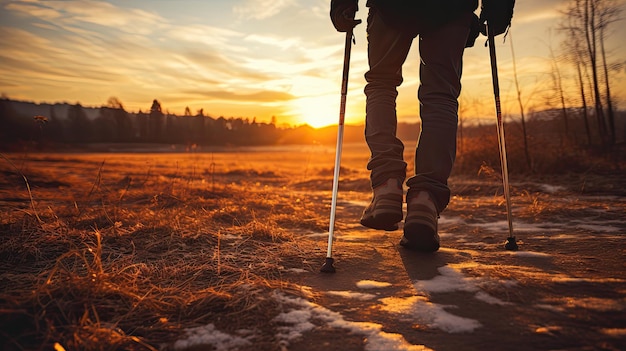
[
  {"x": 527, "y": 254},
  {"x": 449, "y": 280},
  {"x": 303, "y": 313},
  {"x": 419, "y": 309},
  {"x": 209, "y": 335},
  {"x": 551, "y": 189},
  {"x": 371, "y": 284},
  {"x": 414, "y": 309},
  {"x": 502, "y": 226},
  {"x": 352, "y": 295}
]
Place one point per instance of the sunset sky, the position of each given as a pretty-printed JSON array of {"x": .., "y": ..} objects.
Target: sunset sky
[{"x": 248, "y": 58}]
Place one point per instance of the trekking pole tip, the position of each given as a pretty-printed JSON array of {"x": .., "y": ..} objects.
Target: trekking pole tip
[
  {"x": 328, "y": 266},
  {"x": 511, "y": 244}
]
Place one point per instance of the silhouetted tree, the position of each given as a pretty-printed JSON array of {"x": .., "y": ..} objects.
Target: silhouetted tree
[
  {"x": 155, "y": 125},
  {"x": 13, "y": 127},
  {"x": 122, "y": 125},
  {"x": 79, "y": 125},
  {"x": 143, "y": 126},
  {"x": 53, "y": 130},
  {"x": 172, "y": 132},
  {"x": 104, "y": 126}
]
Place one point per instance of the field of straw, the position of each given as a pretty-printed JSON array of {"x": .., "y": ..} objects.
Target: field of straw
[
  {"x": 126, "y": 251},
  {"x": 122, "y": 251}
]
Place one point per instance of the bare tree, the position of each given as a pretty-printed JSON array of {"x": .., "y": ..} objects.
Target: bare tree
[
  {"x": 608, "y": 12},
  {"x": 114, "y": 102},
  {"x": 558, "y": 82},
  {"x": 590, "y": 30},
  {"x": 521, "y": 106},
  {"x": 574, "y": 53},
  {"x": 590, "y": 19},
  {"x": 581, "y": 85}
]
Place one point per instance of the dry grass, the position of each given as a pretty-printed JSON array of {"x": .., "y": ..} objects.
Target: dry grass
[
  {"x": 113, "y": 251},
  {"x": 130, "y": 258}
]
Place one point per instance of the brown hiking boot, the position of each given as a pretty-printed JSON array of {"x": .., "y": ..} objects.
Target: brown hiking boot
[
  {"x": 420, "y": 225},
  {"x": 385, "y": 210}
]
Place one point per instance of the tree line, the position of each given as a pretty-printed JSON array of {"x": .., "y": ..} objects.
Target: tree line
[{"x": 114, "y": 124}]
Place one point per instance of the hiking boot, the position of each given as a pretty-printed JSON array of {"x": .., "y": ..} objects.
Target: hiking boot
[
  {"x": 385, "y": 210},
  {"x": 420, "y": 225}
]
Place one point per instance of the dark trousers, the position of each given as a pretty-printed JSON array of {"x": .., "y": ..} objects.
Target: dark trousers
[{"x": 441, "y": 53}]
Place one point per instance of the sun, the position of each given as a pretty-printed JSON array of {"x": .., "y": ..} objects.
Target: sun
[
  {"x": 317, "y": 111},
  {"x": 321, "y": 111}
]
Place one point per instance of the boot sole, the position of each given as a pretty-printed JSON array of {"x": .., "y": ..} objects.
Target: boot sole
[
  {"x": 382, "y": 220},
  {"x": 420, "y": 237},
  {"x": 385, "y": 214}
]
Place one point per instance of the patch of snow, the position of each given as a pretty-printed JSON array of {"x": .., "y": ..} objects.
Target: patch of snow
[
  {"x": 527, "y": 254},
  {"x": 551, "y": 189},
  {"x": 296, "y": 270},
  {"x": 599, "y": 228},
  {"x": 298, "y": 323},
  {"x": 418, "y": 308},
  {"x": 601, "y": 198},
  {"x": 449, "y": 280},
  {"x": 445, "y": 220},
  {"x": 503, "y": 226},
  {"x": 484, "y": 297},
  {"x": 209, "y": 335},
  {"x": 452, "y": 279},
  {"x": 304, "y": 311},
  {"x": 352, "y": 295},
  {"x": 371, "y": 284}
]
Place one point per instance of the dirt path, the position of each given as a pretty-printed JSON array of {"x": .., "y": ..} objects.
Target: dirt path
[{"x": 564, "y": 289}]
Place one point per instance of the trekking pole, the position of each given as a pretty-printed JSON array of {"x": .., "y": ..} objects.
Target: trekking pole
[
  {"x": 511, "y": 243},
  {"x": 328, "y": 264}
]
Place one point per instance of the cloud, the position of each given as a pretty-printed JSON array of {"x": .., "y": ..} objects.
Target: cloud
[
  {"x": 261, "y": 9},
  {"x": 28, "y": 55},
  {"x": 275, "y": 41},
  {"x": 260, "y": 96},
  {"x": 200, "y": 34},
  {"x": 29, "y": 9},
  {"x": 68, "y": 14}
]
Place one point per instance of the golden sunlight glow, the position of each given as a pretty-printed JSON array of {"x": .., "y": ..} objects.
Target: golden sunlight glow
[{"x": 317, "y": 111}]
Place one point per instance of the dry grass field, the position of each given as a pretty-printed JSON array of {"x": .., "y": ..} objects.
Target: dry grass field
[
  {"x": 128, "y": 251},
  {"x": 123, "y": 251}
]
